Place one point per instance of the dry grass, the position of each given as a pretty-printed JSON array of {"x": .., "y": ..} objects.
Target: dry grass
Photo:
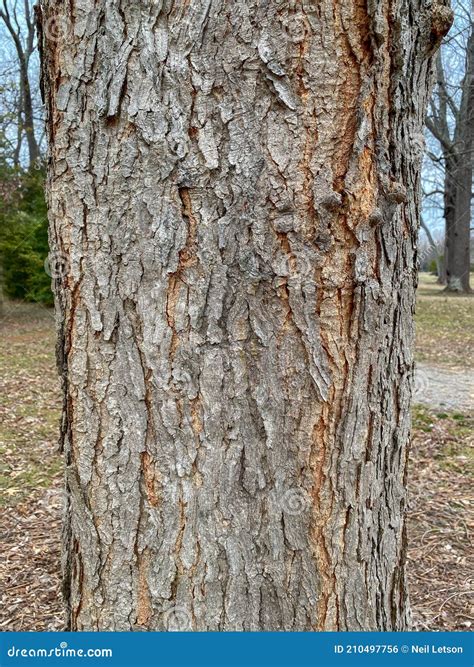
[
  {"x": 444, "y": 326},
  {"x": 30, "y": 495},
  {"x": 440, "y": 521},
  {"x": 29, "y": 569}
]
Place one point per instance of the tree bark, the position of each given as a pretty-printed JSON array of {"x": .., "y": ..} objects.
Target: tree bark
[
  {"x": 234, "y": 202},
  {"x": 451, "y": 160}
]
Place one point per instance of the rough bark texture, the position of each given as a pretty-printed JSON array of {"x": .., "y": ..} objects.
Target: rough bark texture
[{"x": 233, "y": 194}]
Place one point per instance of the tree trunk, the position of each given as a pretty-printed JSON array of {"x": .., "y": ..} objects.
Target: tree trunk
[
  {"x": 441, "y": 268},
  {"x": 458, "y": 250},
  {"x": 23, "y": 51},
  {"x": 234, "y": 199},
  {"x": 28, "y": 124},
  {"x": 433, "y": 248},
  {"x": 450, "y": 171}
]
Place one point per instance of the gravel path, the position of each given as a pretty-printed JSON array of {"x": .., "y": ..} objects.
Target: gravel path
[{"x": 444, "y": 389}]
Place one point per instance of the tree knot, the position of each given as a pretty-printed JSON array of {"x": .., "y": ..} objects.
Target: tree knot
[{"x": 442, "y": 17}]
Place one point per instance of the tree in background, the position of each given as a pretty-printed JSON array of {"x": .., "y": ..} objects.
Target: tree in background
[
  {"x": 234, "y": 188},
  {"x": 431, "y": 252},
  {"x": 18, "y": 21},
  {"x": 458, "y": 238},
  {"x": 451, "y": 123}
]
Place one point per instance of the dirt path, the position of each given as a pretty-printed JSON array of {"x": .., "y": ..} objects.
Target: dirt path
[{"x": 444, "y": 389}]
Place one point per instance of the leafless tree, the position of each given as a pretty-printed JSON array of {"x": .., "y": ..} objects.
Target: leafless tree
[
  {"x": 18, "y": 20},
  {"x": 450, "y": 122}
]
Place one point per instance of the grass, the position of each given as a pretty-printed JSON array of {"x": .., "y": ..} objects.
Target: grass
[
  {"x": 444, "y": 325},
  {"x": 29, "y": 403},
  {"x": 456, "y": 446},
  {"x": 30, "y": 471},
  {"x": 440, "y": 520}
]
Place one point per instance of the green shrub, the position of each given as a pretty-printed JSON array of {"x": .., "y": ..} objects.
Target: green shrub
[
  {"x": 24, "y": 236},
  {"x": 432, "y": 267}
]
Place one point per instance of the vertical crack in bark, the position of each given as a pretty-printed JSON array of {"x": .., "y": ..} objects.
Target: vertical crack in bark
[
  {"x": 187, "y": 257},
  {"x": 144, "y": 608},
  {"x": 149, "y": 474},
  {"x": 310, "y": 129}
]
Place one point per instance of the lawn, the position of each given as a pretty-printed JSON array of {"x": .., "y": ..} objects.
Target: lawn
[
  {"x": 441, "y": 520},
  {"x": 30, "y": 471},
  {"x": 29, "y": 402},
  {"x": 444, "y": 325}
]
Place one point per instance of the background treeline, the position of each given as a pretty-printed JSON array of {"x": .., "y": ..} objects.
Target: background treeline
[{"x": 23, "y": 220}]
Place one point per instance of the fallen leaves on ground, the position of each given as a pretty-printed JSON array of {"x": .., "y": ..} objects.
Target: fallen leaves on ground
[{"x": 441, "y": 522}]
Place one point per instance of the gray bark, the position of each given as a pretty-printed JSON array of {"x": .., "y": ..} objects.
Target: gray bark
[
  {"x": 234, "y": 199},
  {"x": 451, "y": 161}
]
